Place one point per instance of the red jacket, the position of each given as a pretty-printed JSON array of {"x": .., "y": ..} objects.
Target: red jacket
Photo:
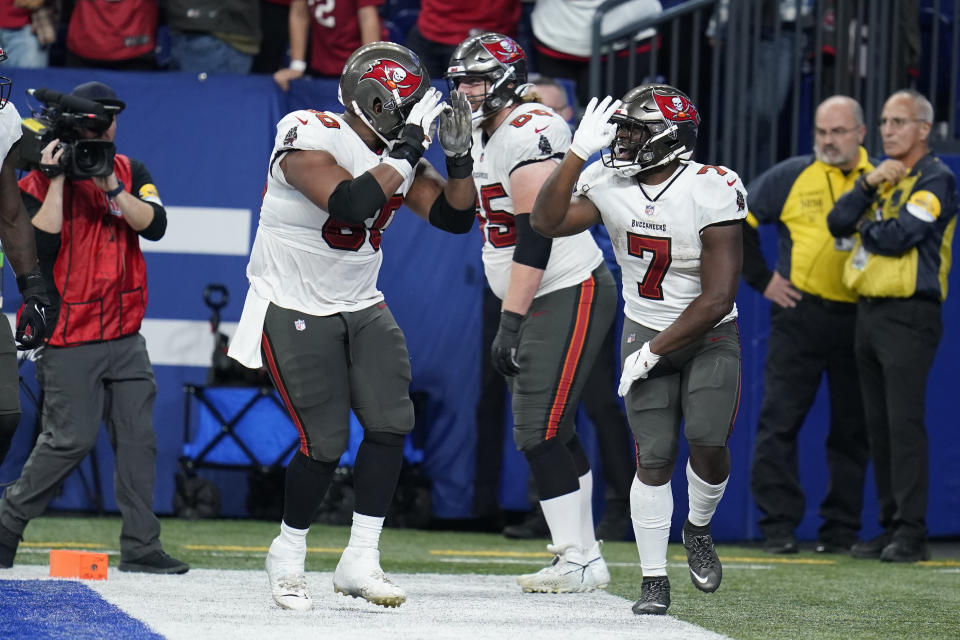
[
  {"x": 99, "y": 271},
  {"x": 112, "y": 30}
]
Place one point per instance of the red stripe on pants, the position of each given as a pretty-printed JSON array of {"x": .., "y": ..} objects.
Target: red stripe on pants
[
  {"x": 572, "y": 359},
  {"x": 278, "y": 381}
]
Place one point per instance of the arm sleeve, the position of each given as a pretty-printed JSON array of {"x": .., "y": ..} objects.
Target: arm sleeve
[
  {"x": 893, "y": 236},
  {"x": 48, "y": 244},
  {"x": 144, "y": 189},
  {"x": 532, "y": 250}
]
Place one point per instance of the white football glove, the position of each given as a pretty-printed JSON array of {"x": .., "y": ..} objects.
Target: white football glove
[
  {"x": 636, "y": 367},
  {"x": 426, "y": 110},
  {"x": 595, "y": 132}
]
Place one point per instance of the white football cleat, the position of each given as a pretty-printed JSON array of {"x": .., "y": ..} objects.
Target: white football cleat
[
  {"x": 570, "y": 572},
  {"x": 359, "y": 575},
  {"x": 597, "y": 570},
  {"x": 288, "y": 582}
]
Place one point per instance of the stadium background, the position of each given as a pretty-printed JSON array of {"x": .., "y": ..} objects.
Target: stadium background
[{"x": 207, "y": 142}]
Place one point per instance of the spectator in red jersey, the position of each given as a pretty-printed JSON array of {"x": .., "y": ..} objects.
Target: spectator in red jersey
[
  {"x": 276, "y": 36},
  {"x": 25, "y": 32},
  {"x": 336, "y": 30},
  {"x": 443, "y": 24},
  {"x": 112, "y": 35}
]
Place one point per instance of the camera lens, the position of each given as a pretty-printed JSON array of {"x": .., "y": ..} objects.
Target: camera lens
[{"x": 87, "y": 158}]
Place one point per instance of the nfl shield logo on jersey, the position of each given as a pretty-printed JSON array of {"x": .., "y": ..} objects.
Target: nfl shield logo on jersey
[
  {"x": 648, "y": 210},
  {"x": 299, "y": 324}
]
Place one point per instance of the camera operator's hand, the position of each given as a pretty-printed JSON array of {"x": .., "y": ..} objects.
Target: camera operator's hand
[
  {"x": 106, "y": 183},
  {"x": 50, "y": 160},
  {"x": 37, "y": 316}
]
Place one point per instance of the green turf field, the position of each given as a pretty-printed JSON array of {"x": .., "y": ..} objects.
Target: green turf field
[{"x": 802, "y": 596}]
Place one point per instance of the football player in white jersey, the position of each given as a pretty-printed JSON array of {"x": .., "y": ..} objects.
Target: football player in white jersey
[
  {"x": 19, "y": 246},
  {"x": 313, "y": 313},
  {"x": 674, "y": 225},
  {"x": 558, "y": 300}
]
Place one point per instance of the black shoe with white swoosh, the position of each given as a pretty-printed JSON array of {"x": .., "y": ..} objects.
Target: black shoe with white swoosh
[
  {"x": 654, "y": 596},
  {"x": 705, "y": 568}
]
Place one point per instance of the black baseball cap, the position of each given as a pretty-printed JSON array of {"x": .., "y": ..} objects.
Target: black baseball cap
[{"x": 99, "y": 92}]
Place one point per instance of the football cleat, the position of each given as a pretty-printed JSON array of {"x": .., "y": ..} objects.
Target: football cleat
[
  {"x": 359, "y": 575},
  {"x": 654, "y": 596},
  {"x": 288, "y": 582},
  {"x": 570, "y": 572},
  {"x": 597, "y": 570},
  {"x": 705, "y": 568}
]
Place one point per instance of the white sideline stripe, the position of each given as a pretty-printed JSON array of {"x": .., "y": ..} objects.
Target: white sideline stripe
[
  {"x": 181, "y": 343},
  {"x": 207, "y": 230},
  {"x": 236, "y": 605},
  {"x": 177, "y": 343}
]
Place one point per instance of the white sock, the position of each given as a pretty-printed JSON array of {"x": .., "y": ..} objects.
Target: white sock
[
  {"x": 703, "y": 497},
  {"x": 587, "y": 536},
  {"x": 651, "y": 509},
  {"x": 365, "y": 531},
  {"x": 293, "y": 538},
  {"x": 563, "y": 517}
]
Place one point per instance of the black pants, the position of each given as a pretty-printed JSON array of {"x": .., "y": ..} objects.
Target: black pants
[
  {"x": 896, "y": 342},
  {"x": 813, "y": 338}
]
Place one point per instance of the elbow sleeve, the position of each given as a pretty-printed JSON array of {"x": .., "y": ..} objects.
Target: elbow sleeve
[
  {"x": 533, "y": 250},
  {"x": 353, "y": 201},
  {"x": 158, "y": 226},
  {"x": 447, "y": 218}
]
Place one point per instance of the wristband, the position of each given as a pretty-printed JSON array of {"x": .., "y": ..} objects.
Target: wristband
[
  {"x": 298, "y": 65},
  {"x": 402, "y": 166},
  {"x": 113, "y": 193},
  {"x": 459, "y": 167}
]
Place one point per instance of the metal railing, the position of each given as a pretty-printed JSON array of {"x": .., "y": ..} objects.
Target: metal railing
[{"x": 766, "y": 64}]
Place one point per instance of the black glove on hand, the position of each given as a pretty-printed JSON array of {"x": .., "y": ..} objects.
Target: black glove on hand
[
  {"x": 36, "y": 316},
  {"x": 503, "y": 351},
  {"x": 409, "y": 146}
]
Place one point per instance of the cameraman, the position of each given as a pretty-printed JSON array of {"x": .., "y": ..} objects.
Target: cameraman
[
  {"x": 16, "y": 237},
  {"x": 95, "y": 363}
]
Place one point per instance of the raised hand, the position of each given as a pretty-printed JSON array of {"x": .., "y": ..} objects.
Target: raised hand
[
  {"x": 595, "y": 132},
  {"x": 456, "y": 130}
]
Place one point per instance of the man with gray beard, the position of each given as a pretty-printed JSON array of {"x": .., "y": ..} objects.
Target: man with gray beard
[{"x": 811, "y": 332}]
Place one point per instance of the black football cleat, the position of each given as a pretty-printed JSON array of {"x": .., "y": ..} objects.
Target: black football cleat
[
  {"x": 705, "y": 568},
  {"x": 654, "y": 597}
]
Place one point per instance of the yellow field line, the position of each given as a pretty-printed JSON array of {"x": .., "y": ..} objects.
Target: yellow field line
[
  {"x": 54, "y": 545},
  {"x": 939, "y": 563},
  {"x": 491, "y": 554},
  {"x": 231, "y": 547}
]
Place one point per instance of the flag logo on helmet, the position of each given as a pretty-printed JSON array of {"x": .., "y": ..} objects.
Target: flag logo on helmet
[
  {"x": 393, "y": 76},
  {"x": 676, "y": 108},
  {"x": 506, "y": 51}
]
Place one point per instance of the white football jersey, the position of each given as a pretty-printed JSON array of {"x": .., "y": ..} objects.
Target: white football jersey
[
  {"x": 655, "y": 232},
  {"x": 531, "y": 133},
  {"x": 10, "y": 129},
  {"x": 302, "y": 258}
]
